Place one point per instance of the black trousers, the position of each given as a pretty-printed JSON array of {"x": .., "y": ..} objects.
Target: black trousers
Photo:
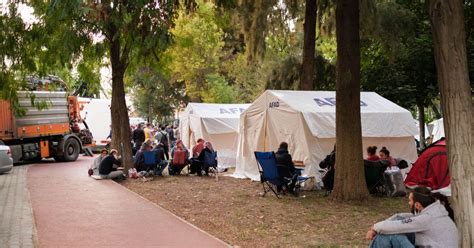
[{"x": 166, "y": 149}]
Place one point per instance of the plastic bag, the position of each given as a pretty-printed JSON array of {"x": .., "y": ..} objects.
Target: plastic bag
[
  {"x": 132, "y": 173},
  {"x": 394, "y": 183}
]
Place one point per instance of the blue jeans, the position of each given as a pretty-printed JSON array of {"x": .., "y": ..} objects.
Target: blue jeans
[{"x": 406, "y": 240}]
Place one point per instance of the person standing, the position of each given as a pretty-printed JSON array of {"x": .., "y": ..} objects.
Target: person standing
[
  {"x": 147, "y": 130},
  {"x": 138, "y": 137},
  {"x": 172, "y": 139},
  {"x": 162, "y": 137}
]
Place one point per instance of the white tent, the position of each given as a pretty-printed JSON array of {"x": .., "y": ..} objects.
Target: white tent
[
  {"x": 427, "y": 132},
  {"x": 217, "y": 123},
  {"x": 306, "y": 120},
  {"x": 438, "y": 129},
  {"x": 96, "y": 113}
]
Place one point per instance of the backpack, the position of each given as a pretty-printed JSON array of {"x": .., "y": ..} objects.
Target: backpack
[{"x": 162, "y": 137}]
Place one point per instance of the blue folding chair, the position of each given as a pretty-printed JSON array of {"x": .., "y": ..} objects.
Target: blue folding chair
[
  {"x": 269, "y": 174},
  {"x": 149, "y": 160}
]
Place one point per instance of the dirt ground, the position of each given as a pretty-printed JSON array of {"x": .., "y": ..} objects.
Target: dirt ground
[{"x": 233, "y": 210}]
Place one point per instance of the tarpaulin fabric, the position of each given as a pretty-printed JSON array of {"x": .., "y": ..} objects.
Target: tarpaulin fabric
[
  {"x": 438, "y": 129},
  {"x": 217, "y": 123},
  {"x": 431, "y": 168},
  {"x": 306, "y": 121}
]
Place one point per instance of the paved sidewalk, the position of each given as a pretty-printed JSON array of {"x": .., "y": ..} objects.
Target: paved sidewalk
[
  {"x": 74, "y": 210},
  {"x": 16, "y": 218}
]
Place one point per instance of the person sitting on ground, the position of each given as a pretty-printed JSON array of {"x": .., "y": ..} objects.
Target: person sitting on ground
[
  {"x": 180, "y": 157},
  {"x": 371, "y": 154},
  {"x": 109, "y": 167},
  {"x": 286, "y": 168},
  {"x": 207, "y": 158},
  {"x": 160, "y": 159},
  {"x": 95, "y": 165},
  {"x": 196, "y": 163},
  {"x": 328, "y": 163},
  {"x": 139, "y": 162},
  {"x": 385, "y": 155},
  {"x": 428, "y": 225}
]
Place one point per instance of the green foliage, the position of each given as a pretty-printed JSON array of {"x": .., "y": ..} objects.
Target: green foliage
[
  {"x": 407, "y": 77},
  {"x": 152, "y": 93},
  {"x": 219, "y": 90},
  {"x": 197, "y": 48}
]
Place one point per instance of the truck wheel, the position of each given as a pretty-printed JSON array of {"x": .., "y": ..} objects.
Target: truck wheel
[{"x": 71, "y": 150}]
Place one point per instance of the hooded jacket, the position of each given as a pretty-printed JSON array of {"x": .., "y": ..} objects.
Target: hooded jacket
[{"x": 432, "y": 227}]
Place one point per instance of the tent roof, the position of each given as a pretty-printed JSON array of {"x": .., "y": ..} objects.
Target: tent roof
[
  {"x": 380, "y": 117},
  {"x": 215, "y": 110},
  {"x": 304, "y": 101}
]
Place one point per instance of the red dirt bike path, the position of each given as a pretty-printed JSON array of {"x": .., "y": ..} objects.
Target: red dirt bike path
[{"x": 74, "y": 210}]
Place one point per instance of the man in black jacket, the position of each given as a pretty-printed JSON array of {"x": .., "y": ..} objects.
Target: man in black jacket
[
  {"x": 138, "y": 137},
  {"x": 328, "y": 164},
  {"x": 286, "y": 168},
  {"x": 108, "y": 168}
]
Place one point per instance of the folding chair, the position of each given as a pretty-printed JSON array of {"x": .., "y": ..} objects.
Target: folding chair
[
  {"x": 210, "y": 163},
  {"x": 269, "y": 173},
  {"x": 374, "y": 176},
  {"x": 149, "y": 160}
]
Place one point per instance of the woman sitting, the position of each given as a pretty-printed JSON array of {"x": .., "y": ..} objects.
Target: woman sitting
[
  {"x": 179, "y": 156},
  {"x": 139, "y": 162},
  {"x": 371, "y": 153},
  {"x": 385, "y": 156},
  {"x": 207, "y": 158}
]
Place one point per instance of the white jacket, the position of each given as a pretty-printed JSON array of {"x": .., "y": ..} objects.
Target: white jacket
[{"x": 432, "y": 227}]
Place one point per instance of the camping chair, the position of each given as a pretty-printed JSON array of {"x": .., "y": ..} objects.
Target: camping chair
[
  {"x": 209, "y": 164},
  {"x": 149, "y": 160},
  {"x": 374, "y": 176},
  {"x": 178, "y": 162},
  {"x": 269, "y": 174}
]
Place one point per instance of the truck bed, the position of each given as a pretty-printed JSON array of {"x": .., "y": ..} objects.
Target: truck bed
[{"x": 52, "y": 120}]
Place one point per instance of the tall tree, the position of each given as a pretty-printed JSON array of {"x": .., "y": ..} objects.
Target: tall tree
[
  {"x": 129, "y": 27},
  {"x": 349, "y": 178},
  {"x": 308, "y": 68},
  {"x": 449, "y": 40}
]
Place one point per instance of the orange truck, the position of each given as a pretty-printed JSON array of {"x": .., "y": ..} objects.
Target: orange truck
[{"x": 50, "y": 132}]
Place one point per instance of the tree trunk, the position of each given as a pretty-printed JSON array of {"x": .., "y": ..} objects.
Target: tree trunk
[
  {"x": 421, "y": 124},
  {"x": 449, "y": 40},
  {"x": 349, "y": 178},
  {"x": 119, "y": 111},
  {"x": 308, "y": 70}
]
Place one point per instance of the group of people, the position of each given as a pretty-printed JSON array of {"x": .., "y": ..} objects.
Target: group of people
[
  {"x": 328, "y": 164},
  {"x": 429, "y": 223},
  {"x": 165, "y": 135},
  {"x": 107, "y": 165},
  {"x": 384, "y": 155},
  {"x": 152, "y": 155},
  {"x": 204, "y": 158}
]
